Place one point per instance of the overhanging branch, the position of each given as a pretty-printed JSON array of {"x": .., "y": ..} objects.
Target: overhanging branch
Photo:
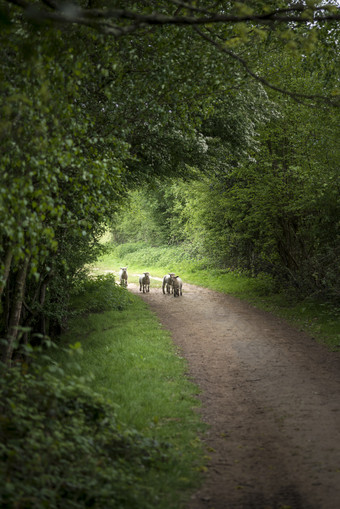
[
  {"x": 120, "y": 22},
  {"x": 263, "y": 81},
  {"x": 101, "y": 19}
]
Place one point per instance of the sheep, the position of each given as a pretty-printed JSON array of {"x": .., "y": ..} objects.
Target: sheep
[
  {"x": 123, "y": 276},
  {"x": 144, "y": 282},
  {"x": 177, "y": 286},
  {"x": 167, "y": 282}
]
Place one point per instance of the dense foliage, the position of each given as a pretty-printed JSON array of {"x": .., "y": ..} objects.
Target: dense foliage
[
  {"x": 61, "y": 445},
  {"x": 97, "y": 294}
]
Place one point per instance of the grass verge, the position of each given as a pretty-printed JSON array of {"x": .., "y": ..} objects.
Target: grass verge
[
  {"x": 127, "y": 357},
  {"x": 321, "y": 320}
]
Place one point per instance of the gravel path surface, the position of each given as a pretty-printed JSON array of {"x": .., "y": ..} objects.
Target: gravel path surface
[{"x": 271, "y": 397}]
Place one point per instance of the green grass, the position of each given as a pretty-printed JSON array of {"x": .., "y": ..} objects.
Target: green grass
[
  {"x": 132, "y": 360},
  {"x": 319, "y": 319}
]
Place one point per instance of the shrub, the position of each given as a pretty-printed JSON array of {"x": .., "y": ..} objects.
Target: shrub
[
  {"x": 62, "y": 446},
  {"x": 124, "y": 249},
  {"x": 98, "y": 294}
]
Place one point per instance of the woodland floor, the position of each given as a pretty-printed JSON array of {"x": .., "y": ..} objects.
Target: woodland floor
[{"x": 271, "y": 397}]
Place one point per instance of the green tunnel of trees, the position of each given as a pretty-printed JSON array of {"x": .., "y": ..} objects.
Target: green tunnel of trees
[{"x": 214, "y": 124}]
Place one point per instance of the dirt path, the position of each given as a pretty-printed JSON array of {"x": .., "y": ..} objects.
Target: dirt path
[{"x": 271, "y": 397}]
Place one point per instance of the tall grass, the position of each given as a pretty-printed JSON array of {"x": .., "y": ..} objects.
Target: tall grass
[{"x": 320, "y": 319}]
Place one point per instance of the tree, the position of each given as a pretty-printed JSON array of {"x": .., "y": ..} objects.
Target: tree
[
  {"x": 57, "y": 184},
  {"x": 276, "y": 211},
  {"x": 227, "y": 26}
]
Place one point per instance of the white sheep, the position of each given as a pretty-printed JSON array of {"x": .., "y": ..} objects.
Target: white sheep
[
  {"x": 177, "y": 286},
  {"x": 144, "y": 282},
  {"x": 123, "y": 276},
  {"x": 167, "y": 282}
]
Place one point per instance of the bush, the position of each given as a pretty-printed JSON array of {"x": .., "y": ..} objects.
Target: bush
[
  {"x": 144, "y": 255},
  {"x": 98, "y": 294},
  {"x": 125, "y": 249},
  {"x": 62, "y": 446}
]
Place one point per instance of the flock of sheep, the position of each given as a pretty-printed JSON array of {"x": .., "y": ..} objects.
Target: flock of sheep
[{"x": 171, "y": 283}]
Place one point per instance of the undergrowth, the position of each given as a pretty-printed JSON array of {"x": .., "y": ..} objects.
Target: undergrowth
[
  {"x": 99, "y": 293},
  {"x": 105, "y": 420},
  {"x": 62, "y": 446}
]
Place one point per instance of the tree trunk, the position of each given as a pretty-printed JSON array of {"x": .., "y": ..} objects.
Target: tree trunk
[
  {"x": 42, "y": 302},
  {"x": 40, "y": 294},
  {"x": 7, "y": 263},
  {"x": 14, "y": 320}
]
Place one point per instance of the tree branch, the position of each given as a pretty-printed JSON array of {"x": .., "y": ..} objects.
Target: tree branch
[
  {"x": 98, "y": 18},
  {"x": 260, "y": 79},
  {"x": 50, "y": 3},
  {"x": 102, "y": 20}
]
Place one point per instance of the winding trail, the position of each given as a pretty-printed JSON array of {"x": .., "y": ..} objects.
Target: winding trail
[{"x": 271, "y": 397}]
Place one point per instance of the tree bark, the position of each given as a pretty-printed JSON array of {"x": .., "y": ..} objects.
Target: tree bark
[
  {"x": 14, "y": 320},
  {"x": 42, "y": 302},
  {"x": 8, "y": 261},
  {"x": 40, "y": 294}
]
